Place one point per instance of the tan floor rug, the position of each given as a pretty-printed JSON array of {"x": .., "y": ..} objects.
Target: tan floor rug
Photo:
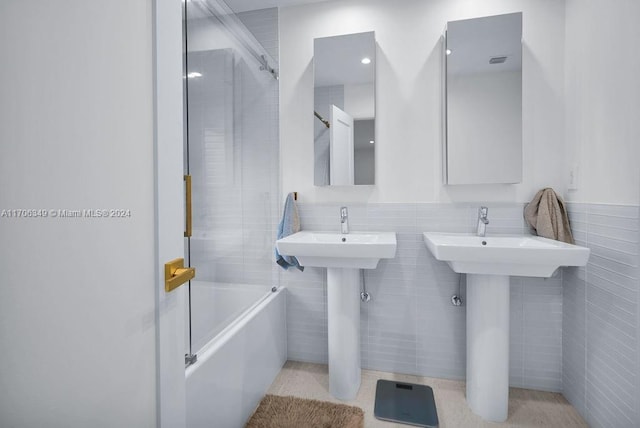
[{"x": 275, "y": 411}]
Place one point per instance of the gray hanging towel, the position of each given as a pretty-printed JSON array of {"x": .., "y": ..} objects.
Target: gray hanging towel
[
  {"x": 547, "y": 216},
  {"x": 289, "y": 225}
]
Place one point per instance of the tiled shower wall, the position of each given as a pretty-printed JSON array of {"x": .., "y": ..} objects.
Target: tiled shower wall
[
  {"x": 410, "y": 325},
  {"x": 600, "y": 317}
]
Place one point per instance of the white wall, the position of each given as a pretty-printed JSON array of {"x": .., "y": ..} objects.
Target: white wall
[
  {"x": 208, "y": 34},
  {"x": 603, "y": 100},
  {"x": 601, "y": 362},
  {"x": 171, "y": 307},
  {"x": 408, "y": 110},
  {"x": 77, "y": 302}
]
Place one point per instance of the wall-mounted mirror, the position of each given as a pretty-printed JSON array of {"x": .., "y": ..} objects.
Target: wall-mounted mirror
[
  {"x": 344, "y": 109},
  {"x": 483, "y": 98}
]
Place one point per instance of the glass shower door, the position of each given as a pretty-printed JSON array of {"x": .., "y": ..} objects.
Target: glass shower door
[{"x": 232, "y": 152}]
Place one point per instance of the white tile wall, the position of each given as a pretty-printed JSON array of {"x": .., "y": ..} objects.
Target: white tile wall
[
  {"x": 410, "y": 326},
  {"x": 600, "y": 317}
]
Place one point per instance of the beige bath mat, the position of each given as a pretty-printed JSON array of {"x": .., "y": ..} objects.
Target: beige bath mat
[{"x": 275, "y": 411}]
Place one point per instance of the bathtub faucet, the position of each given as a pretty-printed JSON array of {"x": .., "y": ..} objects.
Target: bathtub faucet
[{"x": 344, "y": 220}]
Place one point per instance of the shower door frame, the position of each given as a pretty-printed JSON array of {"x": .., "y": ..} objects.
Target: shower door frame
[{"x": 169, "y": 211}]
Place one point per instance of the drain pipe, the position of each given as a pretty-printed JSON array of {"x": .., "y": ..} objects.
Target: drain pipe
[
  {"x": 456, "y": 299},
  {"x": 364, "y": 296}
]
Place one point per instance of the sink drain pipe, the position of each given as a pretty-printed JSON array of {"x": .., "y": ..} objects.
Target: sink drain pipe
[
  {"x": 456, "y": 299},
  {"x": 364, "y": 296}
]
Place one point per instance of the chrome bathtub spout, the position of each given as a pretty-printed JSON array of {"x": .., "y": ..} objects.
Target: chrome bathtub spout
[
  {"x": 483, "y": 221},
  {"x": 344, "y": 220}
]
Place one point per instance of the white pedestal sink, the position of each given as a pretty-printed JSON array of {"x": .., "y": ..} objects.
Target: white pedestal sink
[
  {"x": 488, "y": 263},
  {"x": 343, "y": 255},
  {"x": 343, "y": 319}
]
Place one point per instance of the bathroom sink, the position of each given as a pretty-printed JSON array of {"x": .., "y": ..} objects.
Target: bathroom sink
[
  {"x": 489, "y": 261},
  {"x": 360, "y": 250},
  {"x": 343, "y": 255},
  {"x": 513, "y": 255}
]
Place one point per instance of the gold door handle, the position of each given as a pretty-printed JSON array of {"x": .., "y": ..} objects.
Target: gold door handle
[{"x": 175, "y": 274}]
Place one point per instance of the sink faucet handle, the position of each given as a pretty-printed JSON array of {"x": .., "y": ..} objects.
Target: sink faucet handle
[
  {"x": 483, "y": 221},
  {"x": 343, "y": 213},
  {"x": 344, "y": 220}
]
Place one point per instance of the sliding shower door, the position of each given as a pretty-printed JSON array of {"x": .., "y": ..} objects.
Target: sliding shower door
[{"x": 232, "y": 152}]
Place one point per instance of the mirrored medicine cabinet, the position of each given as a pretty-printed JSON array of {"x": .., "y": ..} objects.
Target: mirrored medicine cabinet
[
  {"x": 483, "y": 100},
  {"x": 344, "y": 109}
]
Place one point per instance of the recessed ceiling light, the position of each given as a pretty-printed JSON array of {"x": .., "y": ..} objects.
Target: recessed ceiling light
[
  {"x": 366, "y": 60},
  {"x": 448, "y": 51},
  {"x": 370, "y": 141},
  {"x": 194, "y": 74}
]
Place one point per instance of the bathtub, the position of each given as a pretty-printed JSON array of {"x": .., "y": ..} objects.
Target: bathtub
[{"x": 236, "y": 367}]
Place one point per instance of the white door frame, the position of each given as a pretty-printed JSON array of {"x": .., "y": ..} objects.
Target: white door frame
[{"x": 169, "y": 210}]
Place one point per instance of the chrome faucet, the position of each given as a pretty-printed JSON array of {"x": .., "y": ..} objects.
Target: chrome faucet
[
  {"x": 344, "y": 220},
  {"x": 483, "y": 221}
]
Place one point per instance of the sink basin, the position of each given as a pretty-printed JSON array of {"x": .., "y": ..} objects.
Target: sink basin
[
  {"x": 514, "y": 255},
  {"x": 360, "y": 250}
]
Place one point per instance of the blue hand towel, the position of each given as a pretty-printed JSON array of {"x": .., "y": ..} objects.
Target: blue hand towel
[{"x": 289, "y": 224}]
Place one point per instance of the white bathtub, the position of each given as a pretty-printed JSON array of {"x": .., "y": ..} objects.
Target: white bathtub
[
  {"x": 235, "y": 369},
  {"x": 215, "y": 305}
]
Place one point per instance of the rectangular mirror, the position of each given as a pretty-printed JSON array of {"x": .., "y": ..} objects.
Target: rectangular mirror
[
  {"x": 483, "y": 100},
  {"x": 344, "y": 109}
]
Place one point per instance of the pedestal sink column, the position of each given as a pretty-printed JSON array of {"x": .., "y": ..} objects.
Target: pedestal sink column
[
  {"x": 343, "y": 301},
  {"x": 488, "y": 346}
]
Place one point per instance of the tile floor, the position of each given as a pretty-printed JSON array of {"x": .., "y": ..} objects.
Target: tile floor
[{"x": 527, "y": 408}]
